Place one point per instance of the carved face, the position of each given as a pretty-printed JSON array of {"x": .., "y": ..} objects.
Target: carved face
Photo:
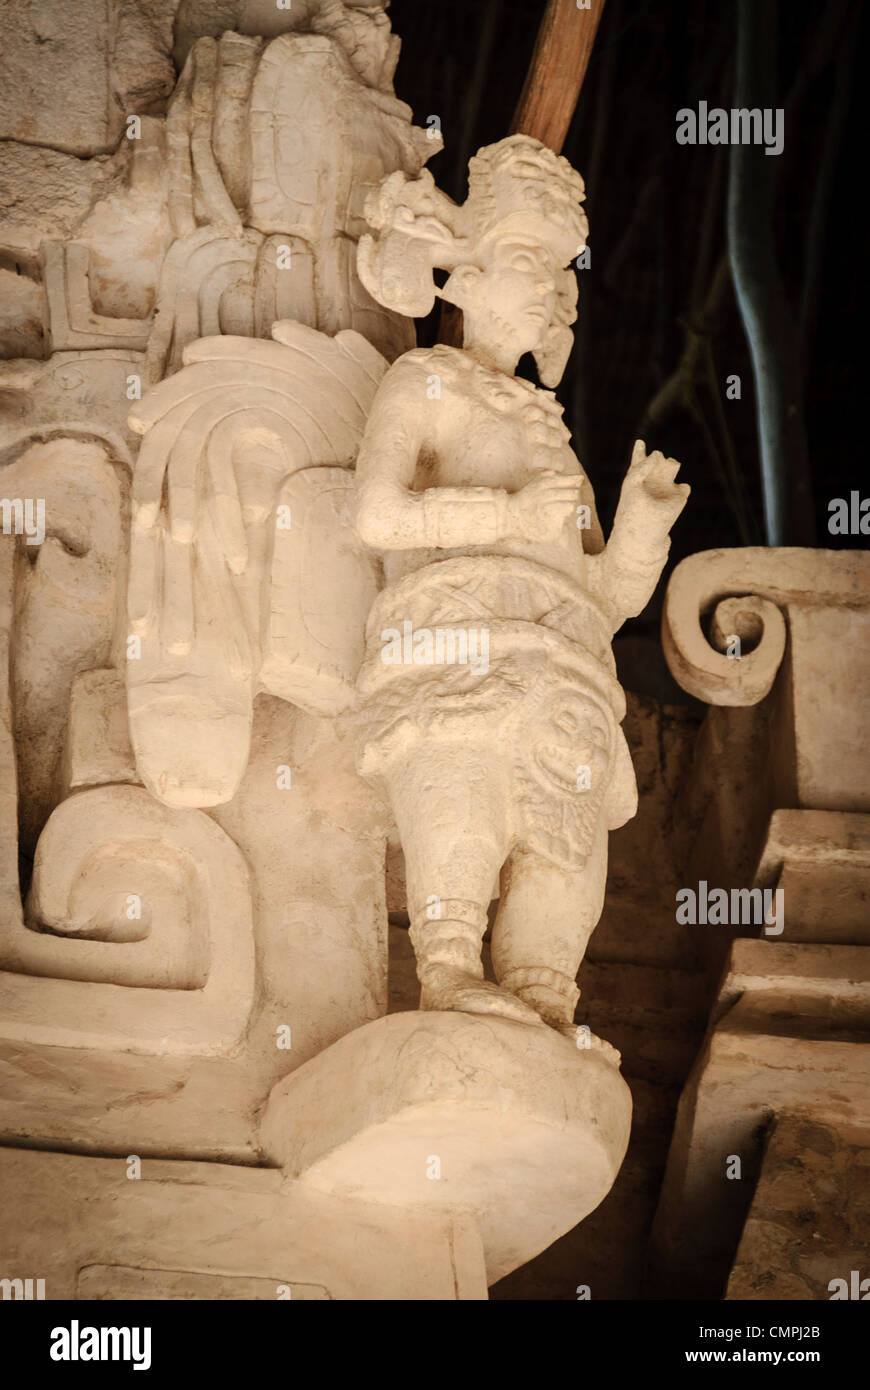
[
  {"x": 571, "y": 754},
  {"x": 563, "y": 766},
  {"x": 513, "y": 295}
]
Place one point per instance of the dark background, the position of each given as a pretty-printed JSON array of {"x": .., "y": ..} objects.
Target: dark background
[{"x": 657, "y": 213}]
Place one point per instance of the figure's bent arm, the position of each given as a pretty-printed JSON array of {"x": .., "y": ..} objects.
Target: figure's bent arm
[{"x": 390, "y": 516}]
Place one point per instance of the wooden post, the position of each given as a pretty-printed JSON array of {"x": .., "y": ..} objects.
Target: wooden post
[
  {"x": 556, "y": 72},
  {"x": 548, "y": 98}
]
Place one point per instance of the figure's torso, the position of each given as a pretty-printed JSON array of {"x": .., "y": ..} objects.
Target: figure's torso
[{"x": 485, "y": 429}]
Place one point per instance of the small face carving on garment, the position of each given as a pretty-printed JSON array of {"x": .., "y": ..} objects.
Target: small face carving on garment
[
  {"x": 562, "y": 762},
  {"x": 571, "y": 754}
]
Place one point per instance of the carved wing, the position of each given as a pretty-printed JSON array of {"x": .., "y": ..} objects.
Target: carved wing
[{"x": 224, "y": 440}]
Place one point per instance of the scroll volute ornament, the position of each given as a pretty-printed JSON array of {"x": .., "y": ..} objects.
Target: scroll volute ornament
[{"x": 746, "y": 594}]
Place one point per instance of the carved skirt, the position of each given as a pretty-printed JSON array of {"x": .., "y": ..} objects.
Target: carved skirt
[{"x": 506, "y": 655}]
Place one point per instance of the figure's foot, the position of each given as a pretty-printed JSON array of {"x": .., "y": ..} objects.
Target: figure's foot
[
  {"x": 551, "y": 1005},
  {"x": 557, "y": 1011},
  {"x": 446, "y": 987}
]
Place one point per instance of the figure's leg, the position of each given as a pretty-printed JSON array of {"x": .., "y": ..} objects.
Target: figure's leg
[
  {"x": 545, "y": 918},
  {"x": 450, "y": 804}
]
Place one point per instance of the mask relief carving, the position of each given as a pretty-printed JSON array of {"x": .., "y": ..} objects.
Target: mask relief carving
[{"x": 265, "y": 218}]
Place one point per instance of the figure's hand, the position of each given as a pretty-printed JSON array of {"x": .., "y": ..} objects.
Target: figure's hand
[
  {"x": 650, "y": 499},
  {"x": 540, "y": 509}
]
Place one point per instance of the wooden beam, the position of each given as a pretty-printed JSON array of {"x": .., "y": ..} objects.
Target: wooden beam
[
  {"x": 549, "y": 96},
  {"x": 557, "y": 69}
]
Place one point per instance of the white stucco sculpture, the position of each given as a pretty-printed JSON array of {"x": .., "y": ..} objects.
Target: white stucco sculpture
[{"x": 490, "y": 705}]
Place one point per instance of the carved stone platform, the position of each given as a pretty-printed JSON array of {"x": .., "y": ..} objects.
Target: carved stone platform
[
  {"x": 458, "y": 1112},
  {"x": 184, "y": 1231}
]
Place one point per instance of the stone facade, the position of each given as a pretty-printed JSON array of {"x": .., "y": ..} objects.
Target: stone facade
[{"x": 321, "y": 800}]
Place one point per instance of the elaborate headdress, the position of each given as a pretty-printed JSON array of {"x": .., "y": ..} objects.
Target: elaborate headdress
[
  {"x": 516, "y": 187},
  {"x": 520, "y": 186}
]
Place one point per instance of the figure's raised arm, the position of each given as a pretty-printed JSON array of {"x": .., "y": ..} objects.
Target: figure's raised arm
[{"x": 626, "y": 572}]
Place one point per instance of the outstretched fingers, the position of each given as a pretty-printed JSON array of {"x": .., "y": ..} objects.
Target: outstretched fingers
[{"x": 638, "y": 456}]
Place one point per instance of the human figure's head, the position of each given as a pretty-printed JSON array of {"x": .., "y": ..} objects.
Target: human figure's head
[
  {"x": 507, "y": 249},
  {"x": 507, "y": 295}
]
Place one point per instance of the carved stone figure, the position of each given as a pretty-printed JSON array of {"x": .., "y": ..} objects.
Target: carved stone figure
[
  {"x": 279, "y": 592},
  {"x": 491, "y": 707}
]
